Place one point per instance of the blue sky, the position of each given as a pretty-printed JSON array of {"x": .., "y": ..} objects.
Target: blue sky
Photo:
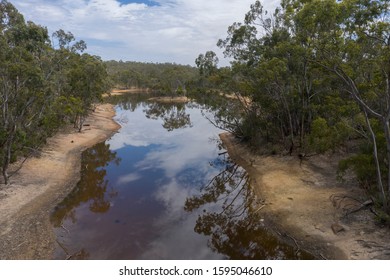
[{"x": 141, "y": 30}]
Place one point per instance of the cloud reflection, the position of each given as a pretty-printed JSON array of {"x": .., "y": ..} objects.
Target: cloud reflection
[
  {"x": 128, "y": 178},
  {"x": 184, "y": 156},
  {"x": 176, "y": 239},
  {"x": 176, "y": 151}
]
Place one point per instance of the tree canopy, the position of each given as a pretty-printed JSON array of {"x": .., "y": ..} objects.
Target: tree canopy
[
  {"x": 42, "y": 85},
  {"x": 167, "y": 78},
  {"x": 317, "y": 74}
]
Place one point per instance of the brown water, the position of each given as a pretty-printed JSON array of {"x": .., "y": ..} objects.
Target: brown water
[{"x": 163, "y": 188}]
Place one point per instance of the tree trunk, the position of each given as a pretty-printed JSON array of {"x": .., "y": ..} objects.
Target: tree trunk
[
  {"x": 7, "y": 160},
  {"x": 387, "y": 136},
  {"x": 81, "y": 122},
  {"x": 377, "y": 165},
  {"x": 5, "y": 174}
]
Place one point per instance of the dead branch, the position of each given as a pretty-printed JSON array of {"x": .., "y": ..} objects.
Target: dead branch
[
  {"x": 25, "y": 159},
  {"x": 20, "y": 167},
  {"x": 67, "y": 230},
  {"x": 322, "y": 256},
  {"x": 364, "y": 205},
  {"x": 296, "y": 244},
  {"x": 63, "y": 248},
  {"x": 261, "y": 207},
  {"x": 349, "y": 204}
]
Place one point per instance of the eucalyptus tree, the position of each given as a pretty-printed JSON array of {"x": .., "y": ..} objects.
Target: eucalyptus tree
[
  {"x": 207, "y": 63},
  {"x": 314, "y": 69},
  {"x": 40, "y": 85},
  {"x": 351, "y": 42},
  {"x": 272, "y": 68},
  {"x": 87, "y": 79},
  {"x": 22, "y": 83}
]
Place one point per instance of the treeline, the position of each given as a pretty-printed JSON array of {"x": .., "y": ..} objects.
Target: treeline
[
  {"x": 315, "y": 75},
  {"x": 162, "y": 77},
  {"x": 45, "y": 82}
]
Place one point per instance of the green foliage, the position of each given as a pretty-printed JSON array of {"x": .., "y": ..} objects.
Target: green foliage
[
  {"x": 321, "y": 136},
  {"x": 207, "y": 63},
  {"x": 41, "y": 87},
  {"x": 163, "y": 77},
  {"x": 363, "y": 166},
  {"x": 316, "y": 72}
]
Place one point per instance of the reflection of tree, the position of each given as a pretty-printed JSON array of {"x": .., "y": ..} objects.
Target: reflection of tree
[
  {"x": 79, "y": 255},
  {"x": 128, "y": 102},
  {"x": 229, "y": 216},
  {"x": 173, "y": 115},
  {"x": 92, "y": 188}
]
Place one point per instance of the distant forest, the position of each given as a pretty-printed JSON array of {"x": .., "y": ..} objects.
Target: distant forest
[{"x": 162, "y": 77}]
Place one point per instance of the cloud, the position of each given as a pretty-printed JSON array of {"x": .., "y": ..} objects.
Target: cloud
[{"x": 172, "y": 31}]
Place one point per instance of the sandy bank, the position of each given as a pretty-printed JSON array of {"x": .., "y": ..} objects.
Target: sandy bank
[
  {"x": 298, "y": 205},
  {"x": 26, "y": 203},
  {"x": 119, "y": 92},
  {"x": 159, "y": 99},
  {"x": 130, "y": 90},
  {"x": 170, "y": 99}
]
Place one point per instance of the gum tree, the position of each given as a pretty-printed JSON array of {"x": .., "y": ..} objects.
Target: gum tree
[
  {"x": 21, "y": 82},
  {"x": 41, "y": 86},
  {"x": 351, "y": 42}
]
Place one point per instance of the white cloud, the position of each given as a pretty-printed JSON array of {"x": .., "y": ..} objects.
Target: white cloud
[{"x": 175, "y": 31}]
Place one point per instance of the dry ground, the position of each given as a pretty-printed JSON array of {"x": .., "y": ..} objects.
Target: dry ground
[
  {"x": 26, "y": 203},
  {"x": 171, "y": 99},
  {"x": 130, "y": 90},
  {"x": 298, "y": 204},
  {"x": 161, "y": 99}
]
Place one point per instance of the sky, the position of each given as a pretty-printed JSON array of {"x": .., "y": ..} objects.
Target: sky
[{"x": 174, "y": 31}]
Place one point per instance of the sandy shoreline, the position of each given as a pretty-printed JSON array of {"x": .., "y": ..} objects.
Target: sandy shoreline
[
  {"x": 168, "y": 99},
  {"x": 119, "y": 92},
  {"x": 26, "y": 203},
  {"x": 298, "y": 205}
]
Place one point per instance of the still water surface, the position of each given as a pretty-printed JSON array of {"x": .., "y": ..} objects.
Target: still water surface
[{"x": 163, "y": 188}]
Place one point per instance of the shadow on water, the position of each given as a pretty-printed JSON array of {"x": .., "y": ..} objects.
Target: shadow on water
[{"x": 232, "y": 220}]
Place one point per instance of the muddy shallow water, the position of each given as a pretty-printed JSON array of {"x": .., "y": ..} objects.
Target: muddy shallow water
[{"x": 163, "y": 188}]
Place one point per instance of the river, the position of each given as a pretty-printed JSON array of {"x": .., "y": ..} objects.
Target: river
[{"x": 163, "y": 187}]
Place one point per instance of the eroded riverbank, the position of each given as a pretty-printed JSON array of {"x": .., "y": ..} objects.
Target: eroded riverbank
[
  {"x": 26, "y": 203},
  {"x": 298, "y": 204}
]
